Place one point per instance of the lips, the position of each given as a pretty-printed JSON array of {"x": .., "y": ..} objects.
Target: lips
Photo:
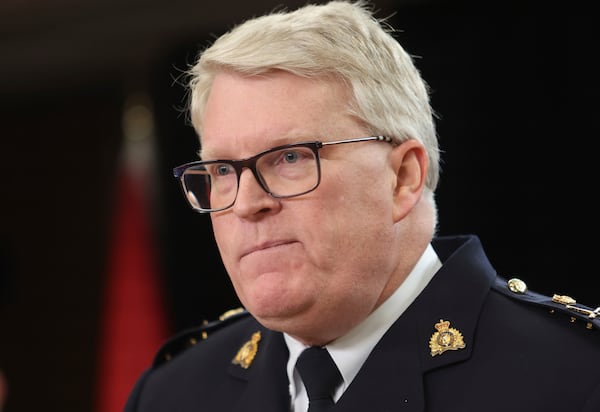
[{"x": 264, "y": 246}]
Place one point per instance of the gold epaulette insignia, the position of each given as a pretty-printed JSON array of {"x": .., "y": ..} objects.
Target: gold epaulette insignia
[
  {"x": 571, "y": 304},
  {"x": 230, "y": 313},
  {"x": 563, "y": 299},
  {"x": 247, "y": 352},
  {"x": 446, "y": 338}
]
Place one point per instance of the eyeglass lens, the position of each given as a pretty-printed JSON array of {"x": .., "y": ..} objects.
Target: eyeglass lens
[{"x": 285, "y": 172}]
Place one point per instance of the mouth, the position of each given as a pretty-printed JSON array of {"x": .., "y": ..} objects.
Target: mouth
[{"x": 265, "y": 246}]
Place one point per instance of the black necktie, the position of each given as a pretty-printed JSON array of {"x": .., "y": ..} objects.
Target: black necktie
[{"x": 320, "y": 376}]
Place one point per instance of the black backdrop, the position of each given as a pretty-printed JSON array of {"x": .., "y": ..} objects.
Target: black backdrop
[{"x": 517, "y": 104}]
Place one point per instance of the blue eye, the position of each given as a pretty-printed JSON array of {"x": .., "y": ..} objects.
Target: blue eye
[
  {"x": 220, "y": 169},
  {"x": 291, "y": 156},
  {"x": 223, "y": 169}
]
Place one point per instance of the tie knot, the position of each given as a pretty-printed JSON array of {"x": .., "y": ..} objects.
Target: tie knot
[{"x": 319, "y": 373}]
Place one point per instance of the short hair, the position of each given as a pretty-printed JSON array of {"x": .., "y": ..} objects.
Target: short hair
[{"x": 340, "y": 39}]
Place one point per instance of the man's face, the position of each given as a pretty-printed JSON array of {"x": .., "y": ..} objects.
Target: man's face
[{"x": 314, "y": 265}]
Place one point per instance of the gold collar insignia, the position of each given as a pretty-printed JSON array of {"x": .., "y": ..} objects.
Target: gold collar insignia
[
  {"x": 247, "y": 352},
  {"x": 446, "y": 338}
]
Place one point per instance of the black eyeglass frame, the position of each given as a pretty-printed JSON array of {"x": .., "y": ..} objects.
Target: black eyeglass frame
[{"x": 250, "y": 163}]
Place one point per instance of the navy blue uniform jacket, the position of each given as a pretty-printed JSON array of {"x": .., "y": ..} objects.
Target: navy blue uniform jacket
[{"x": 522, "y": 352}]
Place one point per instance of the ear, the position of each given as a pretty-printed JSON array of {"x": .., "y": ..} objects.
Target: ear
[{"x": 410, "y": 164}]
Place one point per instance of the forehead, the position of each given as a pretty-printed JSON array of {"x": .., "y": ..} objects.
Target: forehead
[{"x": 247, "y": 114}]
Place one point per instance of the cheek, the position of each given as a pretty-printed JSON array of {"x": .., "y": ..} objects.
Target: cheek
[
  {"x": 356, "y": 221},
  {"x": 360, "y": 200}
]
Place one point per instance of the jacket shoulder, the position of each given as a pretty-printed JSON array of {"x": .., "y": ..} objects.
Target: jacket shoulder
[
  {"x": 190, "y": 337},
  {"x": 562, "y": 306}
]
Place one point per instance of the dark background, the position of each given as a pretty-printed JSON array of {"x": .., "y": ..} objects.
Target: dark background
[{"x": 516, "y": 96}]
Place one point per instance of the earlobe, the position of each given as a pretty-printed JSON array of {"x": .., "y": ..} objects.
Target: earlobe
[{"x": 410, "y": 164}]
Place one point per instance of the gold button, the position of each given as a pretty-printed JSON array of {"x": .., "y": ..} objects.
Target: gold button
[{"x": 517, "y": 285}]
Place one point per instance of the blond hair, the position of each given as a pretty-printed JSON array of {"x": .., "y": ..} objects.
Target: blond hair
[{"x": 340, "y": 39}]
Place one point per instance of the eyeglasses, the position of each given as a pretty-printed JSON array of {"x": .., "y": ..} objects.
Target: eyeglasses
[{"x": 283, "y": 171}]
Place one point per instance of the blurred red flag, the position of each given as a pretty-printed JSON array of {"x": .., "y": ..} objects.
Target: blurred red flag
[{"x": 133, "y": 321}]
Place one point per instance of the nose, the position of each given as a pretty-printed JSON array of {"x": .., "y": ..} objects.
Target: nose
[{"x": 252, "y": 199}]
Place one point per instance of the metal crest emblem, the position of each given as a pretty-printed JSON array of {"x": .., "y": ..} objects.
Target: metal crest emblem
[
  {"x": 446, "y": 338},
  {"x": 247, "y": 352}
]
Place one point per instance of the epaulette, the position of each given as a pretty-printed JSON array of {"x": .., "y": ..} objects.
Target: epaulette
[
  {"x": 557, "y": 304},
  {"x": 190, "y": 337}
]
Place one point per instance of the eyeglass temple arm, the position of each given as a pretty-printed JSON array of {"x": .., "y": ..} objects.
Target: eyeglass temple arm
[{"x": 360, "y": 139}]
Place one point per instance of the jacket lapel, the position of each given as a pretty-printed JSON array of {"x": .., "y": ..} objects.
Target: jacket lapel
[
  {"x": 267, "y": 388},
  {"x": 393, "y": 375},
  {"x": 468, "y": 274}
]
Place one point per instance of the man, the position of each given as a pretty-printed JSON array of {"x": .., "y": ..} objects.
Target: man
[{"x": 319, "y": 168}]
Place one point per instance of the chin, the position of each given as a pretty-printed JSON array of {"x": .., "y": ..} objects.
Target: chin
[
  {"x": 307, "y": 329},
  {"x": 278, "y": 313}
]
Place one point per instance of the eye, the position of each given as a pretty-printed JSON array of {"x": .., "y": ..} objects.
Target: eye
[
  {"x": 295, "y": 155},
  {"x": 285, "y": 160},
  {"x": 224, "y": 169},
  {"x": 291, "y": 156},
  {"x": 220, "y": 169}
]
